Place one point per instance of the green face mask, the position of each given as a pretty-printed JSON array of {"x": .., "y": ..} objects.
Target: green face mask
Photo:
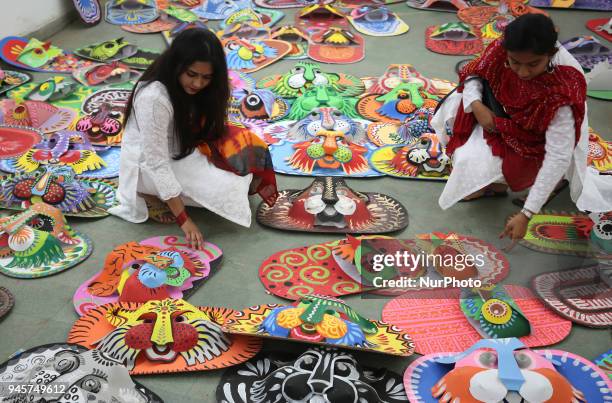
[
  {"x": 322, "y": 96},
  {"x": 105, "y": 50},
  {"x": 37, "y": 54}
]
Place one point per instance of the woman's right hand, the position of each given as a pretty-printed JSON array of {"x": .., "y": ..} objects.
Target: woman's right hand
[
  {"x": 194, "y": 237},
  {"x": 484, "y": 116}
]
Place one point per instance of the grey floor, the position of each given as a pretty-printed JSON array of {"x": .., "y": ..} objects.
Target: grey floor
[{"x": 44, "y": 312}]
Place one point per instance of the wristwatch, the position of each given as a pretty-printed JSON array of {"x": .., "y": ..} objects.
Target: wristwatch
[{"x": 527, "y": 213}]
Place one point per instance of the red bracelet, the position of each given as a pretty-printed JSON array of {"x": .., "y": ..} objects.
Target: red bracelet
[{"x": 181, "y": 218}]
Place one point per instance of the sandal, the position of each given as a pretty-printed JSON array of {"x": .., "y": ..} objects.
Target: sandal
[{"x": 520, "y": 201}]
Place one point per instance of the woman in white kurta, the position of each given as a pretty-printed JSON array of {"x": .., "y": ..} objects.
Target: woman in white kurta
[
  {"x": 477, "y": 170},
  {"x": 179, "y": 104}
]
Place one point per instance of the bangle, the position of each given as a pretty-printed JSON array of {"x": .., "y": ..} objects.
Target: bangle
[{"x": 181, "y": 218}]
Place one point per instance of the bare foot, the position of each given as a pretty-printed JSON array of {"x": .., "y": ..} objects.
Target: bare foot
[
  {"x": 492, "y": 190},
  {"x": 476, "y": 195}
]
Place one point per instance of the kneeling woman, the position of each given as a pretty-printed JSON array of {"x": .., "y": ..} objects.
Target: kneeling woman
[
  {"x": 177, "y": 148},
  {"x": 538, "y": 132}
]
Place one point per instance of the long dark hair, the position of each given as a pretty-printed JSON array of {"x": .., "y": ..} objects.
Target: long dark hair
[
  {"x": 209, "y": 105},
  {"x": 534, "y": 33}
]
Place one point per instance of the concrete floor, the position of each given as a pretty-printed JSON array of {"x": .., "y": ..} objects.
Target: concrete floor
[{"x": 44, "y": 312}]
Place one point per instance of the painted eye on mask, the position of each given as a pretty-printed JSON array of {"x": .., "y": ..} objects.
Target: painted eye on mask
[
  {"x": 253, "y": 100},
  {"x": 345, "y": 369},
  {"x": 306, "y": 363},
  {"x": 314, "y": 204},
  {"x": 233, "y": 46},
  {"x": 523, "y": 360},
  {"x": 345, "y": 205},
  {"x": 66, "y": 363},
  {"x": 488, "y": 359},
  {"x": 91, "y": 384}
]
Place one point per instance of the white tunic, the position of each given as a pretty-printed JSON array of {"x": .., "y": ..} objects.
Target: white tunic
[
  {"x": 147, "y": 166},
  {"x": 475, "y": 166}
]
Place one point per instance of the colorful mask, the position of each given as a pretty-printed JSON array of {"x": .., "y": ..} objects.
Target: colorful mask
[
  {"x": 305, "y": 75},
  {"x": 154, "y": 269},
  {"x": 588, "y": 51},
  {"x": 329, "y": 140},
  {"x": 322, "y": 96},
  {"x": 336, "y": 45},
  {"x": 330, "y": 205},
  {"x": 454, "y": 328},
  {"x": 163, "y": 336},
  {"x": 108, "y": 51},
  {"x": 37, "y": 53},
  {"x": 397, "y": 105},
  {"x": 493, "y": 313},
  {"x": 39, "y": 242},
  {"x": 15, "y": 140},
  {"x": 498, "y": 370},
  {"x": 102, "y": 123},
  {"x": 181, "y": 14},
  {"x": 495, "y": 27},
  {"x": 424, "y": 157},
  {"x": 36, "y": 114},
  {"x": 397, "y": 74},
  {"x": 319, "y": 17},
  {"x": 455, "y": 31},
  {"x": 12, "y": 79},
  {"x": 53, "y": 89},
  {"x": 453, "y": 38},
  {"x": 142, "y": 59},
  {"x": 106, "y": 74},
  {"x": 321, "y": 320},
  {"x": 319, "y": 373},
  {"x": 89, "y": 11},
  {"x": 244, "y": 30},
  {"x": 70, "y": 373},
  {"x": 262, "y": 105},
  {"x": 560, "y": 233},
  {"x": 251, "y": 55},
  {"x": 579, "y": 294},
  {"x": 340, "y": 269},
  {"x": 220, "y": 9},
  {"x": 600, "y": 153},
  {"x": 330, "y": 150},
  {"x": 377, "y": 20},
  {"x": 296, "y": 37},
  {"x": 57, "y": 185},
  {"x": 131, "y": 12},
  {"x": 62, "y": 148},
  {"x": 261, "y": 16},
  {"x": 409, "y": 131}
]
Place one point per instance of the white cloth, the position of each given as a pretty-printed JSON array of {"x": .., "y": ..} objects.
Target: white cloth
[
  {"x": 146, "y": 166},
  {"x": 474, "y": 165}
]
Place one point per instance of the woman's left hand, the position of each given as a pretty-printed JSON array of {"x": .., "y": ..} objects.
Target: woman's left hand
[{"x": 515, "y": 229}]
